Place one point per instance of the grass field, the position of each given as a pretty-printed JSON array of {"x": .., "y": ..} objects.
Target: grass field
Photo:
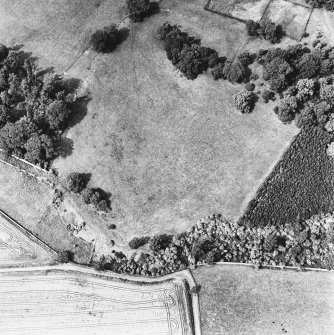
[
  {"x": 241, "y": 300},
  {"x": 28, "y": 201},
  {"x": 292, "y": 16},
  {"x": 169, "y": 150},
  {"x": 56, "y": 32}
]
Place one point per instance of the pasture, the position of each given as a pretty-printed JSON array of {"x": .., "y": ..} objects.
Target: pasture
[
  {"x": 168, "y": 150},
  {"x": 242, "y": 300}
]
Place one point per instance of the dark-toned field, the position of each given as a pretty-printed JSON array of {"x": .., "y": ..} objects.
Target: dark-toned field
[
  {"x": 241, "y": 300},
  {"x": 300, "y": 186},
  {"x": 169, "y": 150}
]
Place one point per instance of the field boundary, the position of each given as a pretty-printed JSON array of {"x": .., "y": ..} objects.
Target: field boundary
[
  {"x": 268, "y": 177},
  {"x": 206, "y": 7},
  {"x": 299, "y": 4},
  {"x": 28, "y": 233},
  {"x": 269, "y": 267},
  {"x": 296, "y": 4},
  {"x": 306, "y": 25},
  {"x": 264, "y": 12}
]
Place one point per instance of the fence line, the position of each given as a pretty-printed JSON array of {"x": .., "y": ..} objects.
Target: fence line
[{"x": 27, "y": 232}]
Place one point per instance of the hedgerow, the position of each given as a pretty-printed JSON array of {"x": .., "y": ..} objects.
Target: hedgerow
[
  {"x": 301, "y": 185},
  {"x": 284, "y": 67},
  {"x": 76, "y": 183},
  {"x": 265, "y": 28},
  {"x": 186, "y": 54},
  {"x": 215, "y": 239},
  {"x": 327, "y": 4}
]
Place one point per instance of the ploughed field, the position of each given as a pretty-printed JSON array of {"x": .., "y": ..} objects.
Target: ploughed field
[
  {"x": 71, "y": 300},
  {"x": 169, "y": 150}
]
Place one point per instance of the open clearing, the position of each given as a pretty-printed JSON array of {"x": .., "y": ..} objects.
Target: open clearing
[
  {"x": 71, "y": 300},
  {"x": 242, "y": 300},
  {"x": 169, "y": 150}
]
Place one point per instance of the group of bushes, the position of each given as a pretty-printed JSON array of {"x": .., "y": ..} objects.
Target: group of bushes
[
  {"x": 192, "y": 59},
  {"x": 309, "y": 102},
  {"x": 75, "y": 182},
  {"x": 265, "y": 28},
  {"x": 215, "y": 239},
  {"x": 106, "y": 39},
  {"x": 301, "y": 184},
  {"x": 244, "y": 101},
  {"x": 138, "y": 9},
  {"x": 34, "y": 109},
  {"x": 284, "y": 67},
  {"x": 157, "y": 242}
]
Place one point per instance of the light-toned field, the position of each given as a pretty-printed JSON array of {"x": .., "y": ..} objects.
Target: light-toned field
[
  {"x": 239, "y": 9},
  {"x": 58, "y": 28},
  {"x": 29, "y": 202},
  {"x": 242, "y": 300},
  {"x": 19, "y": 248},
  {"x": 70, "y": 300},
  {"x": 321, "y": 21},
  {"x": 169, "y": 150},
  {"x": 292, "y": 16}
]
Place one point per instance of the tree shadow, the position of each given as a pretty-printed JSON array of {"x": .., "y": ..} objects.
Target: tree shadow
[
  {"x": 86, "y": 177},
  {"x": 24, "y": 55},
  {"x": 154, "y": 9},
  {"x": 46, "y": 71},
  {"x": 144, "y": 240},
  {"x": 253, "y": 57},
  {"x": 28, "y": 56},
  {"x": 65, "y": 147},
  {"x": 123, "y": 35},
  {"x": 79, "y": 109},
  {"x": 104, "y": 195},
  {"x": 71, "y": 85}
]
